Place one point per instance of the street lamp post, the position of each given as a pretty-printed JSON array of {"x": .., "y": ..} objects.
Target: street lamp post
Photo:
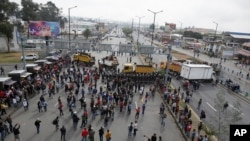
[
  {"x": 139, "y": 29},
  {"x": 216, "y": 50},
  {"x": 154, "y": 24},
  {"x": 169, "y": 58},
  {"x": 24, "y": 59},
  {"x": 181, "y": 26},
  {"x": 69, "y": 23}
]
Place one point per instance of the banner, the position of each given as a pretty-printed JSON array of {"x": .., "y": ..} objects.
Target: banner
[
  {"x": 170, "y": 26},
  {"x": 44, "y": 28}
]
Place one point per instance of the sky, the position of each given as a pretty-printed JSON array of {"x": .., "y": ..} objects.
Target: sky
[{"x": 231, "y": 15}]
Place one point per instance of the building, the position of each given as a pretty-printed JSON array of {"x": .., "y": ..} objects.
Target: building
[
  {"x": 236, "y": 37},
  {"x": 244, "y": 53}
]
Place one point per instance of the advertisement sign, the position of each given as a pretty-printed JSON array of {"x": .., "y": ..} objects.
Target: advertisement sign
[
  {"x": 170, "y": 26},
  {"x": 44, "y": 28}
]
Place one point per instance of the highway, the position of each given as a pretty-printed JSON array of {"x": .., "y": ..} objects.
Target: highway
[
  {"x": 207, "y": 92},
  {"x": 147, "y": 124}
]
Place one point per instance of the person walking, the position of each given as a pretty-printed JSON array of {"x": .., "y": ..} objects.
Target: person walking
[
  {"x": 75, "y": 119},
  {"x": 2, "y": 70},
  {"x": 25, "y": 104},
  {"x": 56, "y": 122},
  {"x": 130, "y": 129},
  {"x": 163, "y": 116},
  {"x": 154, "y": 137},
  {"x": 63, "y": 133},
  {"x": 108, "y": 135},
  {"x": 37, "y": 124},
  {"x": 135, "y": 128},
  {"x": 9, "y": 120},
  {"x": 60, "y": 107},
  {"x": 160, "y": 138},
  {"x": 85, "y": 134},
  {"x": 143, "y": 108},
  {"x": 137, "y": 113},
  {"x": 193, "y": 135},
  {"x": 199, "y": 104},
  {"x": 101, "y": 132},
  {"x": 16, "y": 132},
  {"x": 91, "y": 135}
]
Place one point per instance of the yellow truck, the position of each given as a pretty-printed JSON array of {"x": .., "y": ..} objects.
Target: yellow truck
[
  {"x": 134, "y": 68},
  {"x": 84, "y": 57},
  {"x": 175, "y": 66}
]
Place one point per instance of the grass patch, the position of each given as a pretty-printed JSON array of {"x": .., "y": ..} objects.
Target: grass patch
[{"x": 12, "y": 57}]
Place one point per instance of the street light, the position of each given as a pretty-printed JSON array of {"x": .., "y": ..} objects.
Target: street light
[
  {"x": 216, "y": 50},
  {"x": 154, "y": 24},
  {"x": 69, "y": 23},
  {"x": 139, "y": 29},
  {"x": 169, "y": 58},
  {"x": 181, "y": 26},
  {"x": 24, "y": 58}
]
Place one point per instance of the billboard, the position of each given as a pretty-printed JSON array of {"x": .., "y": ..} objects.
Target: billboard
[
  {"x": 170, "y": 26},
  {"x": 44, "y": 28}
]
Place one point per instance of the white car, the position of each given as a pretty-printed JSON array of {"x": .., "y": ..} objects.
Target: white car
[{"x": 30, "y": 57}]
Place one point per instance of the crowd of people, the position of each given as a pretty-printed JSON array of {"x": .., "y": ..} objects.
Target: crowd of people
[{"x": 79, "y": 83}]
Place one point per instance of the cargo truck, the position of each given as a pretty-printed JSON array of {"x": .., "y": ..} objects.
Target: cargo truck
[
  {"x": 108, "y": 62},
  {"x": 134, "y": 68},
  {"x": 84, "y": 57},
  {"x": 174, "y": 66},
  {"x": 197, "y": 72}
]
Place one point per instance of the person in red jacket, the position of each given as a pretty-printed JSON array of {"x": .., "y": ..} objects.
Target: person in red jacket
[{"x": 85, "y": 133}]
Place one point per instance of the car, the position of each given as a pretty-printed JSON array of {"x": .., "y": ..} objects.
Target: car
[{"x": 30, "y": 57}]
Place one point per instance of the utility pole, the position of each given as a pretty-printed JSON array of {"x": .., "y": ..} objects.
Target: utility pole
[
  {"x": 132, "y": 25},
  {"x": 169, "y": 58},
  {"x": 139, "y": 30},
  {"x": 216, "y": 50},
  {"x": 24, "y": 59},
  {"x": 181, "y": 26},
  {"x": 153, "y": 29},
  {"x": 154, "y": 24},
  {"x": 69, "y": 23}
]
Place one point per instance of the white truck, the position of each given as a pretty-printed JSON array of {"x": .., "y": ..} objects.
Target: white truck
[{"x": 197, "y": 72}]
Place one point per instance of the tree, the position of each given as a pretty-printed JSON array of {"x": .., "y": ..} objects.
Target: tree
[
  {"x": 29, "y": 10},
  {"x": 127, "y": 31},
  {"x": 225, "y": 117},
  {"x": 7, "y": 29},
  {"x": 192, "y": 34},
  {"x": 7, "y": 9},
  {"x": 86, "y": 33}
]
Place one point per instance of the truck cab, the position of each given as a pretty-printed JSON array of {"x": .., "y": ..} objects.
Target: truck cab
[{"x": 128, "y": 68}]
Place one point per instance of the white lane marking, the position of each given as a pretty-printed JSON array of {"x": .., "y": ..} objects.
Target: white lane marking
[
  {"x": 135, "y": 104},
  {"x": 236, "y": 109},
  {"x": 56, "y": 104},
  {"x": 211, "y": 106}
]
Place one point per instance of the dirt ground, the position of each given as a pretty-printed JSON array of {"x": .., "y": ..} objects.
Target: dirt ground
[{"x": 179, "y": 55}]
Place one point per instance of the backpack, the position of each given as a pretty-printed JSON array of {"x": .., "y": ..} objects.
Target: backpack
[{"x": 54, "y": 122}]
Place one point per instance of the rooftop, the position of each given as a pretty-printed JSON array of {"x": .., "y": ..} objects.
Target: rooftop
[
  {"x": 2, "y": 79},
  {"x": 17, "y": 71},
  {"x": 246, "y": 44}
]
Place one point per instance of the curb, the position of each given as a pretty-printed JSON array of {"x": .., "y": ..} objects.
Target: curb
[
  {"x": 169, "y": 109},
  {"x": 235, "y": 94}
]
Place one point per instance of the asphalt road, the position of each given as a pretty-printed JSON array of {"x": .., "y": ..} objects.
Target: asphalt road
[
  {"x": 147, "y": 124},
  {"x": 208, "y": 94}
]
